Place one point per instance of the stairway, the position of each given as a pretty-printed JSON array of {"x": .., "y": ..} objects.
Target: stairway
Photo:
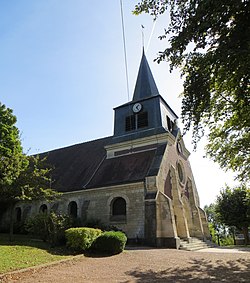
[{"x": 194, "y": 244}]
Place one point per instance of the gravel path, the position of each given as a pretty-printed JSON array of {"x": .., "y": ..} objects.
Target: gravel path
[{"x": 144, "y": 265}]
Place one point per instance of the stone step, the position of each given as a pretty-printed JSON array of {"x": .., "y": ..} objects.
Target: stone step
[{"x": 195, "y": 244}]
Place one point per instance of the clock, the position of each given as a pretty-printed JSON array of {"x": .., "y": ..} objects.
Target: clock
[{"x": 137, "y": 107}]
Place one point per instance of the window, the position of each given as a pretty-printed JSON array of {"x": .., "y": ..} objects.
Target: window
[
  {"x": 118, "y": 209},
  {"x": 18, "y": 214},
  {"x": 170, "y": 124},
  {"x": 179, "y": 147},
  {"x": 142, "y": 120},
  {"x": 136, "y": 121},
  {"x": 130, "y": 123},
  {"x": 43, "y": 208},
  {"x": 180, "y": 173},
  {"x": 72, "y": 209}
]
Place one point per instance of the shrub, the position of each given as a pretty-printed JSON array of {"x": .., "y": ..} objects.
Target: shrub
[
  {"x": 49, "y": 227},
  {"x": 227, "y": 241},
  {"x": 97, "y": 223},
  {"x": 80, "y": 239},
  {"x": 110, "y": 242},
  {"x": 94, "y": 223},
  {"x": 38, "y": 226}
]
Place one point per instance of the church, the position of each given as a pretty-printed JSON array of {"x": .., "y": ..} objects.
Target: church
[{"x": 139, "y": 180}]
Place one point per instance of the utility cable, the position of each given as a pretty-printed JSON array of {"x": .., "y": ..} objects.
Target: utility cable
[{"x": 124, "y": 49}]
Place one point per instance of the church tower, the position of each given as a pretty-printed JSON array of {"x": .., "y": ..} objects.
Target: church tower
[
  {"x": 147, "y": 125},
  {"x": 147, "y": 114}
]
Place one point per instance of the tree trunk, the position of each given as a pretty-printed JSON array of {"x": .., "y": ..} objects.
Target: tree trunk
[
  {"x": 11, "y": 230},
  {"x": 245, "y": 233}
]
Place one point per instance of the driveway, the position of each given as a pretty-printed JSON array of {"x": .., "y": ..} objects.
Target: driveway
[{"x": 145, "y": 265}]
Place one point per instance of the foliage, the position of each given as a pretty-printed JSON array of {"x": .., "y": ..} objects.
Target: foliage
[
  {"x": 227, "y": 241},
  {"x": 213, "y": 223},
  {"x": 49, "y": 227},
  {"x": 110, "y": 242},
  {"x": 209, "y": 41},
  {"x": 22, "y": 177},
  {"x": 94, "y": 223},
  {"x": 32, "y": 183},
  {"x": 97, "y": 223},
  {"x": 220, "y": 233},
  {"x": 11, "y": 156},
  {"x": 25, "y": 252},
  {"x": 80, "y": 239},
  {"x": 233, "y": 208}
]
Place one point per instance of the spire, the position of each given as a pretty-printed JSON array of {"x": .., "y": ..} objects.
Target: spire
[{"x": 145, "y": 84}]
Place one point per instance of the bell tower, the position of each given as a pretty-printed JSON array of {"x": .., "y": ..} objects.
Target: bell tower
[{"x": 147, "y": 114}]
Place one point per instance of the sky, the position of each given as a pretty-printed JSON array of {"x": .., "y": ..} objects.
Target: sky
[{"x": 62, "y": 72}]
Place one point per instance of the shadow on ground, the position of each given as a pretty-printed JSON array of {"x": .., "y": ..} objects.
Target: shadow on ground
[{"x": 198, "y": 271}]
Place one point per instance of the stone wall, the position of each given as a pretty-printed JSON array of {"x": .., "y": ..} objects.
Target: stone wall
[{"x": 95, "y": 204}]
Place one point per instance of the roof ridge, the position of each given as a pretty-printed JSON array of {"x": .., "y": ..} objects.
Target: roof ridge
[{"x": 73, "y": 145}]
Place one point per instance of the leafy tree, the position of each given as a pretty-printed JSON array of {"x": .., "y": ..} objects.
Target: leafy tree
[
  {"x": 209, "y": 41},
  {"x": 11, "y": 156},
  {"x": 22, "y": 177},
  {"x": 220, "y": 233},
  {"x": 233, "y": 208}
]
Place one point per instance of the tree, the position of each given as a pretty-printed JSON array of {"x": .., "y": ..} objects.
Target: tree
[
  {"x": 220, "y": 233},
  {"x": 209, "y": 41},
  {"x": 213, "y": 223},
  {"x": 11, "y": 156},
  {"x": 233, "y": 208},
  {"x": 22, "y": 177}
]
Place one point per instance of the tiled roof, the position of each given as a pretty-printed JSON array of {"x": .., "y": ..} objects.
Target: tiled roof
[
  {"x": 85, "y": 166},
  {"x": 75, "y": 165},
  {"x": 129, "y": 168}
]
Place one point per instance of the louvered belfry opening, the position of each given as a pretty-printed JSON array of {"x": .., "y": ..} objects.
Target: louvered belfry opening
[{"x": 136, "y": 121}]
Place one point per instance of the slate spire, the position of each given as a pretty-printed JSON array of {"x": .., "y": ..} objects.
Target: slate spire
[{"x": 145, "y": 83}]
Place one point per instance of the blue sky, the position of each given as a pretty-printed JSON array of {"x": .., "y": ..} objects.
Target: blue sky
[{"x": 62, "y": 72}]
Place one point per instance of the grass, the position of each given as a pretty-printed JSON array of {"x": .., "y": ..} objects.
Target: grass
[{"x": 25, "y": 252}]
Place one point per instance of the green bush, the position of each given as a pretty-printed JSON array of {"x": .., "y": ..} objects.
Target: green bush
[
  {"x": 80, "y": 239},
  {"x": 97, "y": 223},
  {"x": 110, "y": 242},
  {"x": 227, "y": 241},
  {"x": 49, "y": 227},
  {"x": 38, "y": 226}
]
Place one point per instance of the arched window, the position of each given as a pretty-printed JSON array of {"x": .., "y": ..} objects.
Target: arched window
[
  {"x": 43, "y": 208},
  {"x": 118, "y": 209},
  {"x": 72, "y": 209},
  {"x": 181, "y": 174},
  {"x": 18, "y": 214}
]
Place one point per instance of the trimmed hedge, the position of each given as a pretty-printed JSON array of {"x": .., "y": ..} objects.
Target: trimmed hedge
[
  {"x": 80, "y": 239},
  {"x": 110, "y": 242}
]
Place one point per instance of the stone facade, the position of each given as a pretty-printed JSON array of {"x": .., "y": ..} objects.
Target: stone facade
[{"x": 140, "y": 180}]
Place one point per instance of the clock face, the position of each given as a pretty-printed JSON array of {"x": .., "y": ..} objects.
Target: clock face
[{"x": 137, "y": 107}]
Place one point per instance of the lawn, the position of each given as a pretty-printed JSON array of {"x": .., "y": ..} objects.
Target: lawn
[{"x": 25, "y": 252}]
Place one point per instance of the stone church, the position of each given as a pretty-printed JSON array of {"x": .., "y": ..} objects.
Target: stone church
[{"x": 139, "y": 180}]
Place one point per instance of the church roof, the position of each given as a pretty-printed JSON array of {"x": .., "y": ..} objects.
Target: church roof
[
  {"x": 145, "y": 83},
  {"x": 85, "y": 166},
  {"x": 74, "y": 166}
]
